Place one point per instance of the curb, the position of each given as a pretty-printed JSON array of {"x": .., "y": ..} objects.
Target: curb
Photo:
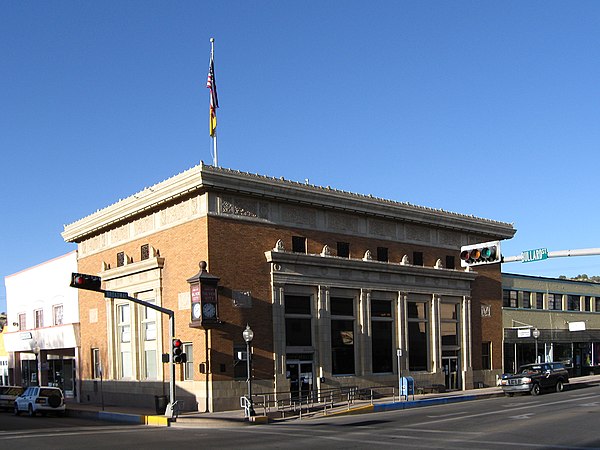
[
  {"x": 136, "y": 419},
  {"x": 392, "y": 406}
]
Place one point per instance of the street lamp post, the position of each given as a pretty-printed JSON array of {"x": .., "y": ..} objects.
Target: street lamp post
[
  {"x": 248, "y": 335},
  {"x": 536, "y": 335}
]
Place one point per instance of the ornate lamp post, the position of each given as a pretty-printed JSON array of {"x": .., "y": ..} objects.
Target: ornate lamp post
[{"x": 248, "y": 335}]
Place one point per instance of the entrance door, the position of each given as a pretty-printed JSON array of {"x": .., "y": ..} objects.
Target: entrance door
[
  {"x": 451, "y": 372},
  {"x": 300, "y": 374}
]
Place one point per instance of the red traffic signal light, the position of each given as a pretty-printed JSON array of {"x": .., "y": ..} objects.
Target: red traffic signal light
[
  {"x": 178, "y": 355},
  {"x": 479, "y": 254},
  {"x": 85, "y": 281}
]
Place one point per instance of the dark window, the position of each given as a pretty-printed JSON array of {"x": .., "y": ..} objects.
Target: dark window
[
  {"x": 596, "y": 304},
  {"x": 418, "y": 335},
  {"x": 343, "y": 249},
  {"x": 381, "y": 308},
  {"x": 418, "y": 258},
  {"x": 382, "y": 254},
  {"x": 526, "y": 299},
  {"x": 555, "y": 302},
  {"x": 573, "y": 302},
  {"x": 539, "y": 300},
  {"x": 298, "y": 332},
  {"x": 450, "y": 317},
  {"x": 120, "y": 259},
  {"x": 341, "y": 306},
  {"x": 298, "y": 324},
  {"x": 382, "y": 346},
  {"x": 298, "y": 244},
  {"x": 297, "y": 304},
  {"x": 145, "y": 252},
  {"x": 509, "y": 298},
  {"x": 587, "y": 304},
  {"x": 450, "y": 264},
  {"x": 486, "y": 355},
  {"x": 342, "y": 347}
]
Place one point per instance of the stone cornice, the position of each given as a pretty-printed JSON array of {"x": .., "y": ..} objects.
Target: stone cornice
[{"x": 203, "y": 177}]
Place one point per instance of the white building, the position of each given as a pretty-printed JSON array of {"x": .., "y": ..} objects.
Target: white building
[{"x": 42, "y": 337}]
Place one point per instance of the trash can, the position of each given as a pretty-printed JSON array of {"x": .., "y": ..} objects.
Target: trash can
[
  {"x": 160, "y": 403},
  {"x": 407, "y": 387}
]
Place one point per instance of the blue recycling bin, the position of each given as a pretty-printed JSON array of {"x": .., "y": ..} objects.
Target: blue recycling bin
[{"x": 407, "y": 387}]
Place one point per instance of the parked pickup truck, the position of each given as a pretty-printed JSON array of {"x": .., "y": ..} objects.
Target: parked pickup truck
[{"x": 534, "y": 378}]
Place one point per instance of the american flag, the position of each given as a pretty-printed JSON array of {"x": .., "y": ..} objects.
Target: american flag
[{"x": 211, "y": 84}]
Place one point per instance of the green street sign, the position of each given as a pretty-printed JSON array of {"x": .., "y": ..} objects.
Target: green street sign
[{"x": 538, "y": 254}]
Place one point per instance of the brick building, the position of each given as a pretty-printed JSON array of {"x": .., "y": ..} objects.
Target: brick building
[{"x": 331, "y": 282}]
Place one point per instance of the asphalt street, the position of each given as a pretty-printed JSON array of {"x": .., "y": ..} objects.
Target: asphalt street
[{"x": 567, "y": 420}]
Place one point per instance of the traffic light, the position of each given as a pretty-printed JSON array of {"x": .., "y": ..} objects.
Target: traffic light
[
  {"x": 85, "y": 281},
  {"x": 479, "y": 254},
  {"x": 178, "y": 355}
]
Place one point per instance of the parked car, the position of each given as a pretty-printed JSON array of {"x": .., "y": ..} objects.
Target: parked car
[
  {"x": 40, "y": 399},
  {"x": 534, "y": 378},
  {"x": 8, "y": 394}
]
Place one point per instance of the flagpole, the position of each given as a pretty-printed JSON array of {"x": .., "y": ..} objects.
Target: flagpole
[{"x": 214, "y": 137}]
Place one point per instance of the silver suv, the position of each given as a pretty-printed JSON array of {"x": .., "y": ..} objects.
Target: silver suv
[{"x": 42, "y": 399}]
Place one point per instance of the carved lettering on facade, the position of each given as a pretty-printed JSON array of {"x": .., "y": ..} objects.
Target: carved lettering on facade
[
  {"x": 239, "y": 207},
  {"x": 93, "y": 244},
  {"x": 178, "y": 212},
  {"x": 298, "y": 215},
  {"x": 342, "y": 222},
  {"x": 382, "y": 228},
  {"x": 417, "y": 233},
  {"x": 119, "y": 234},
  {"x": 143, "y": 225},
  {"x": 449, "y": 238}
]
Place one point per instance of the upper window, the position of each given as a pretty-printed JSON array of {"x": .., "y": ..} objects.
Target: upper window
[
  {"x": 120, "y": 259},
  {"x": 526, "y": 299},
  {"x": 539, "y": 300},
  {"x": 382, "y": 254},
  {"x": 343, "y": 249},
  {"x": 509, "y": 298},
  {"x": 298, "y": 244},
  {"x": 418, "y": 258},
  {"x": 144, "y": 252},
  {"x": 38, "y": 316},
  {"x": 555, "y": 302},
  {"x": 450, "y": 264},
  {"x": 573, "y": 302},
  {"x": 22, "y": 322},
  {"x": 57, "y": 314}
]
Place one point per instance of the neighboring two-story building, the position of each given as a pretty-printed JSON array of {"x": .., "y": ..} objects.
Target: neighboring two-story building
[
  {"x": 332, "y": 284},
  {"x": 42, "y": 335},
  {"x": 561, "y": 318}
]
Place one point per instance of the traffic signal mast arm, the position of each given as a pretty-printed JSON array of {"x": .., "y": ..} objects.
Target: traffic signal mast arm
[{"x": 557, "y": 254}]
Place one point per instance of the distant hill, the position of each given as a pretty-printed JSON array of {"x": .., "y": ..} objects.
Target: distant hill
[{"x": 583, "y": 277}]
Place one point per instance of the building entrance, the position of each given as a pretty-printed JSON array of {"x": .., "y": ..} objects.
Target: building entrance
[
  {"x": 451, "y": 372},
  {"x": 300, "y": 374}
]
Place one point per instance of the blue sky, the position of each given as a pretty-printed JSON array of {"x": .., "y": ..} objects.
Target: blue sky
[{"x": 483, "y": 108}]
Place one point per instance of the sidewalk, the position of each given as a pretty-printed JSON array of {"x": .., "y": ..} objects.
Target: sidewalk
[{"x": 235, "y": 418}]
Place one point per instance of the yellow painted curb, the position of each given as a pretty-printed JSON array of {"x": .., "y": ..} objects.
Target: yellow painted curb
[
  {"x": 157, "y": 421},
  {"x": 259, "y": 419}
]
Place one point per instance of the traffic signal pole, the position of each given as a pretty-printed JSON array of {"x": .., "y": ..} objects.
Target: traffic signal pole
[
  {"x": 169, "y": 412},
  {"x": 93, "y": 283}
]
